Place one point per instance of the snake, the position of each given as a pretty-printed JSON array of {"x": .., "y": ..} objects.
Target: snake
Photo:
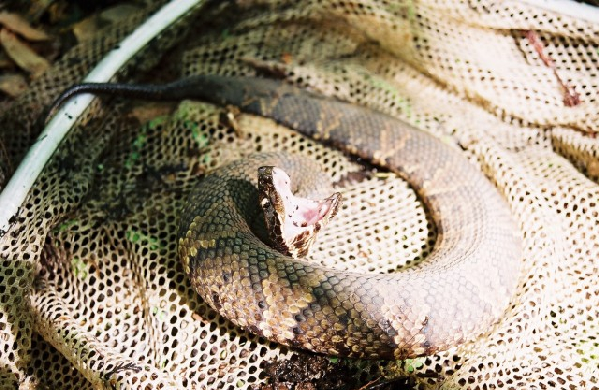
[{"x": 461, "y": 290}]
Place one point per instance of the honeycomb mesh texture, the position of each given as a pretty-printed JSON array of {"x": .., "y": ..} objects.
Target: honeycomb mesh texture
[{"x": 91, "y": 291}]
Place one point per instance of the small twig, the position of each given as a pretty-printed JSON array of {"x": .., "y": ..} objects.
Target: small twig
[
  {"x": 122, "y": 367},
  {"x": 393, "y": 383},
  {"x": 571, "y": 97}
]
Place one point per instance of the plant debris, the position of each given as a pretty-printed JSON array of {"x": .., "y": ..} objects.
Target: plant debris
[
  {"x": 22, "y": 54},
  {"x": 570, "y": 96},
  {"x": 22, "y": 27}
]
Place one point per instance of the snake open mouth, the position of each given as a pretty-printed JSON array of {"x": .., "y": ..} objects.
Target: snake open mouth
[{"x": 292, "y": 221}]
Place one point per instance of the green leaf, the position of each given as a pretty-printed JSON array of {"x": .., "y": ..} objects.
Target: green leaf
[
  {"x": 79, "y": 268},
  {"x": 63, "y": 227},
  {"x": 414, "y": 364},
  {"x": 137, "y": 237}
]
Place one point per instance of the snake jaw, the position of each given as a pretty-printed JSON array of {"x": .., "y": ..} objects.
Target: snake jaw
[{"x": 292, "y": 222}]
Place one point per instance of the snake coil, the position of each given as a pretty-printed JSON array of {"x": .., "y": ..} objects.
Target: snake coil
[{"x": 461, "y": 289}]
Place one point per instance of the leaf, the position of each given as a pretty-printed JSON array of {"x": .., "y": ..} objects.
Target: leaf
[
  {"x": 22, "y": 54},
  {"x": 87, "y": 28},
  {"x": 120, "y": 12},
  {"x": 79, "y": 268},
  {"x": 6, "y": 62},
  {"x": 19, "y": 25},
  {"x": 92, "y": 25},
  {"x": 414, "y": 364},
  {"x": 13, "y": 84}
]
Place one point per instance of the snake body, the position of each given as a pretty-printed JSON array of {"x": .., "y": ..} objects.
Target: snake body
[{"x": 462, "y": 288}]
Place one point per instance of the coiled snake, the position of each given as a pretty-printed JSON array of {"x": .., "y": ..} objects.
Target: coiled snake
[{"x": 461, "y": 289}]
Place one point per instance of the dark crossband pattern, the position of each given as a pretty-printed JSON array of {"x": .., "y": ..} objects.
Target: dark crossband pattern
[{"x": 461, "y": 289}]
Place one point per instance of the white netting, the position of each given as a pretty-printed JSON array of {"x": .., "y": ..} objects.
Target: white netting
[{"x": 91, "y": 291}]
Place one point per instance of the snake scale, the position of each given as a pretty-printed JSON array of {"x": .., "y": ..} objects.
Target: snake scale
[{"x": 462, "y": 288}]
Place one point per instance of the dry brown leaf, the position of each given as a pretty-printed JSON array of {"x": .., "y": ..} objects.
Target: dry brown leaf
[
  {"x": 56, "y": 11},
  {"x": 38, "y": 7},
  {"x": 119, "y": 12},
  {"x": 89, "y": 27},
  {"x": 146, "y": 111},
  {"x": 22, "y": 54},
  {"x": 593, "y": 168},
  {"x": 21, "y": 26},
  {"x": 5, "y": 62},
  {"x": 13, "y": 84}
]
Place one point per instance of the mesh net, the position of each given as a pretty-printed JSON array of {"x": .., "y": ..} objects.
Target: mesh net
[{"x": 91, "y": 291}]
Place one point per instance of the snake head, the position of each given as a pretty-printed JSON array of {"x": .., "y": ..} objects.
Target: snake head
[{"x": 292, "y": 222}]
